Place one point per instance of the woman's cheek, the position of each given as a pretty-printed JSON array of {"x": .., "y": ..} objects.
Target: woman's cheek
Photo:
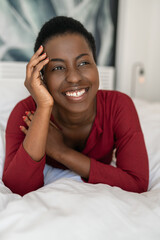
[{"x": 54, "y": 84}]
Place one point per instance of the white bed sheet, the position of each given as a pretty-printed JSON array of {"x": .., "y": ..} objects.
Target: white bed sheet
[
  {"x": 71, "y": 209},
  {"x": 67, "y": 209}
]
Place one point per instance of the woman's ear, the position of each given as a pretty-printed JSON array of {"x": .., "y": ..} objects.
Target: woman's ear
[
  {"x": 42, "y": 75},
  {"x": 44, "y": 80}
]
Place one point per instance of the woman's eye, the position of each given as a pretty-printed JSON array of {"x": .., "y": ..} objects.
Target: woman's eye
[
  {"x": 83, "y": 63},
  {"x": 58, "y": 68}
]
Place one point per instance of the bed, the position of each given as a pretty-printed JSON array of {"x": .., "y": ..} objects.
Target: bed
[{"x": 70, "y": 209}]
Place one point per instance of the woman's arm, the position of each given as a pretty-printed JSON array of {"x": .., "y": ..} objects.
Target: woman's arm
[
  {"x": 21, "y": 173},
  {"x": 57, "y": 150},
  {"x": 131, "y": 173},
  {"x": 35, "y": 140},
  {"x": 25, "y": 154}
]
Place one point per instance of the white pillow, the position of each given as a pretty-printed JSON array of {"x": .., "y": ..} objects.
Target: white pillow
[
  {"x": 2, "y": 150},
  {"x": 11, "y": 92},
  {"x": 149, "y": 115}
]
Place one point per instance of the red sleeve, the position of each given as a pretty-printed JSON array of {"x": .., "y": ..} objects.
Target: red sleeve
[
  {"x": 21, "y": 174},
  {"x": 132, "y": 171}
]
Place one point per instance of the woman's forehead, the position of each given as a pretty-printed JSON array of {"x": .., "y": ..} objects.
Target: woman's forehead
[{"x": 67, "y": 43}]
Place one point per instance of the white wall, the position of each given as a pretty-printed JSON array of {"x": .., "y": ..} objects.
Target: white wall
[{"x": 138, "y": 44}]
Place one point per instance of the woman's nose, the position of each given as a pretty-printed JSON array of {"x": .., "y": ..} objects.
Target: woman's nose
[{"x": 73, "y": 76}]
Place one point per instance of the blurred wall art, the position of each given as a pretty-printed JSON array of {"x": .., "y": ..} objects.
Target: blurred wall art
[{"x": 20, "y": 22}]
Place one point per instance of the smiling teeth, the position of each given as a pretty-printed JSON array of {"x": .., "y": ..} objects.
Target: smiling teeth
[{"x": 75, "y": 93}]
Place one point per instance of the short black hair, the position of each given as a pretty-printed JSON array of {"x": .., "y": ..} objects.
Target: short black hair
[{"x": 61, "y": 25}]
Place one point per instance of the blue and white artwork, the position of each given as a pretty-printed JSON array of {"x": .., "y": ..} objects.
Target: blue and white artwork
[{"x": 21, "y": 20}]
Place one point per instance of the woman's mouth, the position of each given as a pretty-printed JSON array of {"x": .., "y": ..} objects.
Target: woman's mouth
[{"x": 77, "y": 94}]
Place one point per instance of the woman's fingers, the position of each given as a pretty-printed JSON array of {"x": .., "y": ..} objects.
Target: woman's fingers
[
  {"x": 37, "y": 68},
  {"x": 23, "y": 129},
  {"x": 28, "y": 117},
  {"x": 26, "y": 120},
  {"x": 30, "y": 65},
  {"x": 37, "y": 53},
  {"x": 35, "y": 65},
  {"x": 33, "y": 81}
]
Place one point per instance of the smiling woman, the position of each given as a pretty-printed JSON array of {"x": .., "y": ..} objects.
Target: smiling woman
[
  {"x": 67, "y": 123},
  {"x": 71, "y": 76}
]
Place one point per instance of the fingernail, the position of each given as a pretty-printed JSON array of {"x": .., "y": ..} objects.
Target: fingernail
[
  {"x": 21, "y": 127},
  {"x": 24, "y": 117},
  {"x": 27, "y": 112},
  {"x": 32, "y": 112},
  {"x": 40, "y": 46}
]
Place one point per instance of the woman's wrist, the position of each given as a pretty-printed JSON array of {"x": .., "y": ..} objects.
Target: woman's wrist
[
  {"x": 36, "y": 134},
  {"x": 73, "y": 160},
  {"x": 44, "y": 109},
  {"x": 48, "y": 105},
  {"x": 59, "y": 154}
]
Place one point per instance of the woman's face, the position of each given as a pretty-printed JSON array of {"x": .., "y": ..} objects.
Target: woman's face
[{"x": 71, "y": 75}]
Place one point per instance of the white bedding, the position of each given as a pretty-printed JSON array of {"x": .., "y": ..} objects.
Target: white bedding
[{"x": 70, "y": 209}]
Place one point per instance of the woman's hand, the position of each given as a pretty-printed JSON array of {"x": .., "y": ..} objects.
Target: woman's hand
[
  {"x": 57, "y": 150},
  {"x": 54, "y": 143},
  {"x": 33, "y": 81}
]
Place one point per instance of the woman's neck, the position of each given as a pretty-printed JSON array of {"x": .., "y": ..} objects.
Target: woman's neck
[{"x": 74, "y": 120}]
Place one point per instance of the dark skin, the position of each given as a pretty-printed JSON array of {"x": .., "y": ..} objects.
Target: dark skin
[{"x": 71, "y": 78}]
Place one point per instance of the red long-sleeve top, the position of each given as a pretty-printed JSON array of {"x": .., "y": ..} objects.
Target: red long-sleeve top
[{"x": 116, "y": 126}]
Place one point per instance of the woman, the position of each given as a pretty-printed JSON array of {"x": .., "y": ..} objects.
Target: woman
[{"x": 67, "y": 122}]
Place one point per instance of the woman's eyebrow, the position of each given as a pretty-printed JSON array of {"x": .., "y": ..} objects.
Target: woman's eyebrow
[
  {"x": 57, "y": 60},
  {"x": 62, "y": 60},
  {"x": 81, "y": 55}
]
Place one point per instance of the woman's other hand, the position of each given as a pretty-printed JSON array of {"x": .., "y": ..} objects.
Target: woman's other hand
[
  {"x": 54, "y": 143},
  {"x": 33, "y": 81},
  {"x": 59, "y": 151}
]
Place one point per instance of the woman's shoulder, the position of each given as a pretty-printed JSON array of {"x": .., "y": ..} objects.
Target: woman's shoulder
[
  {"x": 108, "y": 96},
  {"x": 117, "y": 104},
  {"x": 27, "y": 103},
  {"x": 118, "y": 107},
  {"x": 112, "y": 94},
  {"x": 15, "y": 117}
]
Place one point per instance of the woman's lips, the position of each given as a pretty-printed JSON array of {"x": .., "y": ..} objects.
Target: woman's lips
[{"x": 76, "y": 94}]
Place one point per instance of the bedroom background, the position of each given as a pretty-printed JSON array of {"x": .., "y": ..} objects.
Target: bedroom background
[
  {"x": 126, "y": 33},
  {"x": 138, "y": 49}
]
